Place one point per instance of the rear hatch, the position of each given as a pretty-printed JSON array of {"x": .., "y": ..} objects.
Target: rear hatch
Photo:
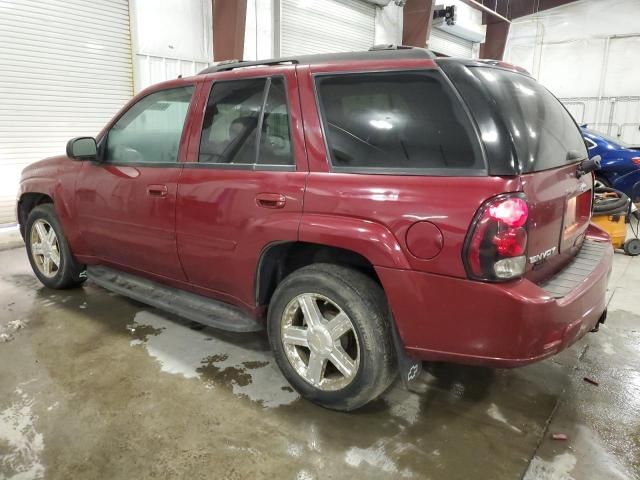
[{"x": 526, "y": 131}]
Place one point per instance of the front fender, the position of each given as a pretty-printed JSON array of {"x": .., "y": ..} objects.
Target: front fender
[
  {"x": 49, "y": 187},
  {"x": 55, "y": 177},
  {"x": 370, "y": 239}
]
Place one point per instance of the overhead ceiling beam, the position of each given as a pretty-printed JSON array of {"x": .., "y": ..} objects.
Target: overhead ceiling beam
[
  {"x": 487, "y": 10},
  {"x": 520, "y": 8},
  {"x": 512, "y": 9}
]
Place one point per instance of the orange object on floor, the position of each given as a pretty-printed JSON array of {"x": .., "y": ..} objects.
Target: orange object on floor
[{"x": 614, "y": 225}]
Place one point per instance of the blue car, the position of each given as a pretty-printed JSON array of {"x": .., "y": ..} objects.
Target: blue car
[{"x": 620, "y": 164}]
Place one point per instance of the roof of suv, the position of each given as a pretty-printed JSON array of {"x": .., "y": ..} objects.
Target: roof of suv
[
  {"x": 384, "y": 52},
  {"x": 378, "y": 52}
]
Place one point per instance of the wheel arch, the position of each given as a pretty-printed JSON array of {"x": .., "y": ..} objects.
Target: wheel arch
[
  {"x": 26, "y": 203},
  {"x": 370, "y": 239},
  {"x": 279, "y": 259}
]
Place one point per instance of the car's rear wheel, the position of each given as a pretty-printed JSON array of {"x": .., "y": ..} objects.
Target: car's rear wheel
[
  {"x": 330, "y": 333},
  {"x": 48, "y": 250}
]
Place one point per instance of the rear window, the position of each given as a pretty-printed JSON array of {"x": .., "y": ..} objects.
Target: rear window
[
  {"x": 397, "y": 122},
  {"x": 543, "y": 132},
  {"x": 616, "y": 142}
]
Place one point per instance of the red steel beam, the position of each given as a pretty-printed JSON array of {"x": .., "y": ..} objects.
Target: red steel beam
[
  {"x": 417, "y": 17},
  {"x": 229, "y": 18}
]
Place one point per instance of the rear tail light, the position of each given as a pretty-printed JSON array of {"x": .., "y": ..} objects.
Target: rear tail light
[
  {"x": 635, "y": 160},
  {"x": 497, "y": 240}
]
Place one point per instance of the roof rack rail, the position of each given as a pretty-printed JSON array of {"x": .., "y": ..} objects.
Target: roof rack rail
[
  {"x": 226, "y": 65},
  {"x": 389, "y": 46},
  {"x": 377, "y": 52}
]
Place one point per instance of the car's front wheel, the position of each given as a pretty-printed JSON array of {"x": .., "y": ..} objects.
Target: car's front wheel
[
  {"x": 330, "y": 333},
  {"x": 48, "y": 250}
]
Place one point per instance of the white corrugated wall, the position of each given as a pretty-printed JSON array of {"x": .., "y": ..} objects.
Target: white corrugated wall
[
  {"x": 325, "y": 26},
  {"x": 448, "y": 44},
  {"x": 65, "y": 70}
]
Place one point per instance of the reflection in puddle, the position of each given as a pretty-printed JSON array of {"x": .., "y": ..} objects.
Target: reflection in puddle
[
  {"x": 181, "y": 350},
  {"x": 21, "y": 446}
]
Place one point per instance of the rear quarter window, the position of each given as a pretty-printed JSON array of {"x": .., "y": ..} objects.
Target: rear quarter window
[{"x": 397, "y": 122}]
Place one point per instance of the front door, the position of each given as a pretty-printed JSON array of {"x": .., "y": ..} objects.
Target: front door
[
  {"x": 127, "y": 201},
  {"x": 243, "y": 189}
]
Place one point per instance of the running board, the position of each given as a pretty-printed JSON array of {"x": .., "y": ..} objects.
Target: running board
[{"x": 188, "y": 305}]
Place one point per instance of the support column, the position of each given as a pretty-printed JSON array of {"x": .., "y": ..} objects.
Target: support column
[
  {"x": 229, "y": 18},
  {"x": 495, "y": 41},
  {"x": 417, "y": 18}
]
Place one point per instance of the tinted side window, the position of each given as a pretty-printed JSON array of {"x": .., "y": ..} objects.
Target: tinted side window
[
  {"x": 235, "y": 131},
  {"x": 231, "y": 122},
  {"x": 396, "y": 121},
  {"x": 275, "y": 139},
  {"x": 150, "y": 131}
]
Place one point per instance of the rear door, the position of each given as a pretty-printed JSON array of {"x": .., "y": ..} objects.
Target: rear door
[
  {"x": 126, "y": 203},
  {"x": 242, "y": 187}
]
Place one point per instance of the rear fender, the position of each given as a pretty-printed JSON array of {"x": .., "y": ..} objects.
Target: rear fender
[{"x": 371, "y": 240}]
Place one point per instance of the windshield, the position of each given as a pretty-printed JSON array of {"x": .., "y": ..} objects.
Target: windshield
[{"x": 543, "y": 132}]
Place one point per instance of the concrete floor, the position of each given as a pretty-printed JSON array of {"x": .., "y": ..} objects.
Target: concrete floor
[{"x": 93, "y": 385}]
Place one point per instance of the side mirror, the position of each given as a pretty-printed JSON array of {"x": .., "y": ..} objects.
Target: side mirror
[{"x": 82, "y": 148}]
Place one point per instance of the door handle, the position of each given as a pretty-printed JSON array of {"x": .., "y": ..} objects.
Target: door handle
[
  {"x": 160, "y": 191},
  {"x": 271, "y": 200}
]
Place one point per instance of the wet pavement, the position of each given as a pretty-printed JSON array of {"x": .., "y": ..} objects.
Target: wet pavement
[{"x": 93, "y": 385}]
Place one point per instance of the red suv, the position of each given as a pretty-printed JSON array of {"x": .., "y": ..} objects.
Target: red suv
[{"x": 370, "y": 210}]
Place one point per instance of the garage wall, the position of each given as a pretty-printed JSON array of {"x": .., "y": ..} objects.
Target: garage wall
[
  {"x": 371, "y": 25},
  {"x": 446, "y": 43},
  {"x": 170, "y": 38},
  {"x": 258, "y": 31},
  {"x": 325, "y": 26},
  {"x": 65, "y": 69},
  {"x": 586, "y": 53}
]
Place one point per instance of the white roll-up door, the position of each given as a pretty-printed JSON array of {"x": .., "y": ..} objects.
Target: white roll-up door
[
  {"x": 65, "y": 70},
  {"x": 325, "y": 26},
  {"x": 446, "y": 43}
]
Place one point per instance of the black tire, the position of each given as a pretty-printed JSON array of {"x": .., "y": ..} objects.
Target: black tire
[
  {"x": 69, "y": 273},
  {"x": 363, "y": 300},
  {"x": 603, "y": 181},
  {"x": 632, "y": 247}
]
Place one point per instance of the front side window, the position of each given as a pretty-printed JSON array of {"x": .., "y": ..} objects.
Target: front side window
[
  {"x": 396, "y": 122},
  {"x": 246, "y": 122},
  {"x": 150, "y": 131}
]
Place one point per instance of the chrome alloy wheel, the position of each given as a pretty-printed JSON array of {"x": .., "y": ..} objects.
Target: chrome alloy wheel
[
  {"x": 45, "y": 248},
  {"x": 320, "y": 341}
]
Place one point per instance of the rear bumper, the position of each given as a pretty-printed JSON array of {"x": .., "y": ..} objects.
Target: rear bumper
[{"x": 503, "y": 325}]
